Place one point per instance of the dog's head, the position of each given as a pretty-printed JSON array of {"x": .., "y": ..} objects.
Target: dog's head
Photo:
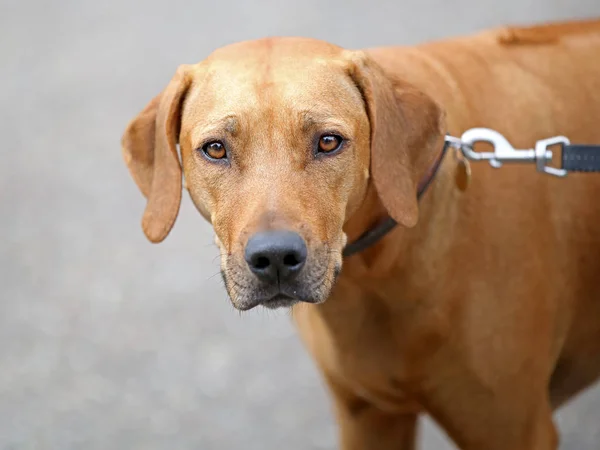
[{"x": 280, "y": 139}]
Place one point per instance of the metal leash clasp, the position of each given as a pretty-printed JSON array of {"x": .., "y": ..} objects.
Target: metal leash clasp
[
  {"x": 541, "y": 152},
  {"x": 504, "y": 152}
]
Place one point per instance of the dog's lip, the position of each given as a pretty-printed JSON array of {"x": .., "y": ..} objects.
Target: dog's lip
[
  {"x": 279, "y": 299},
  {"x": 281, "y": 296}
]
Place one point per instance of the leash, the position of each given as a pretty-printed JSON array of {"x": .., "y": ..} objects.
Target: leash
[{"x": 574, "y": 158}]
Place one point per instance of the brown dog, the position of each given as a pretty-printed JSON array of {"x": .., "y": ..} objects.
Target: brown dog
[{"x": 484, "y": 313}]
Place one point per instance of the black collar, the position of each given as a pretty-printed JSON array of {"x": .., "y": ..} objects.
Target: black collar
[{"x": 371, "y": 236}]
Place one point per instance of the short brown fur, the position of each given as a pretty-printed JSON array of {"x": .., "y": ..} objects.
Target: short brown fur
[{"x": 483, "y": 308}]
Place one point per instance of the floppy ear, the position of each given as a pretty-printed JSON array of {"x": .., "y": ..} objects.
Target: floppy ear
[
  {"x": 150, "y": 150},
  {"x": 407, "y": 133}
]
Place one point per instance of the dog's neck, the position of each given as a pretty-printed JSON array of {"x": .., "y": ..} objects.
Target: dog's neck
[
  {"x": 408, "y": 257},
  {"x": 404, "y": 255}
]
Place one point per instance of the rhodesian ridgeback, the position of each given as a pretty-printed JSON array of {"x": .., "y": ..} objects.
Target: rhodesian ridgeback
[{"x": 482, "y": 307}]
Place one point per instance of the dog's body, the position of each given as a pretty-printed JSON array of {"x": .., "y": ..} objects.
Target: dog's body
[{"x": 485, "y": 314}]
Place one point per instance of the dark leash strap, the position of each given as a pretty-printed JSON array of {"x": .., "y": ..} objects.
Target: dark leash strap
[
  {"x": 581, "y": 158},
  {"x": 575, "y": 158}
]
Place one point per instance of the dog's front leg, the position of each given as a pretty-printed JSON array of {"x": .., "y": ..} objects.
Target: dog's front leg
[{"x": 363, "y": 426}]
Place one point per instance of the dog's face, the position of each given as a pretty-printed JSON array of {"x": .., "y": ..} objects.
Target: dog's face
[
  {"x": 276, "y": 154},
  {"x": 276, "y": 141}
]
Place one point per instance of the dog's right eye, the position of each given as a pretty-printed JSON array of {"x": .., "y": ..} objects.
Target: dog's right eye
[
  {"x": 329, "y": 143},
  {"x": 214, "y": 150}
]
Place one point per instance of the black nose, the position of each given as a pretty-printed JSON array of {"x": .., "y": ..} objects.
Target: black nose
[{"x": 273, "y": 255}]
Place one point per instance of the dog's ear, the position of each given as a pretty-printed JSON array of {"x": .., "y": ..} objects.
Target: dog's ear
[
  {"x": 407, "y": 132},
  {"x": 150, "y": 150}
]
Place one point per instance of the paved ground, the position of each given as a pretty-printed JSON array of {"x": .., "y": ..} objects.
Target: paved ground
[{"x": 108, "y": 342}]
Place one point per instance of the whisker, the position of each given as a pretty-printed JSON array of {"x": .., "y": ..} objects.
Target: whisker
[{"x": 213, "y": 275}]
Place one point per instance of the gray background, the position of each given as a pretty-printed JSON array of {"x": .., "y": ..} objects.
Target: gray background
[{"x": 109, "y": 342}]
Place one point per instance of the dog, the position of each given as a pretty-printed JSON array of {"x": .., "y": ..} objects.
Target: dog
[{"x": 481, "y": 307}]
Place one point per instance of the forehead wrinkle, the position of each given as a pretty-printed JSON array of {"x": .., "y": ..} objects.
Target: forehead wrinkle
[
  {"x": 307, "y": 121},
  {"x": 228, "y": 124},
  {"x": 314, "y": 118},
  {"x": 231, "y": 125},
  {"x": 268, "y": 63}
]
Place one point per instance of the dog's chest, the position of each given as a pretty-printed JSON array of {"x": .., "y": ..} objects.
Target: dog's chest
[
  {"x": 372, "y": 351},
  {"x": 374, "y": 366}
]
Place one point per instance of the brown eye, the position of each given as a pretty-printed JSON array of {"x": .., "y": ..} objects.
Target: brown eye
[
  {"x": 329, "y": 143},
  {"x": 214, "y": 150}
]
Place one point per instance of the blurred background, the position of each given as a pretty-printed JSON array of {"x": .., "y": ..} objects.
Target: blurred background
[{"x": 108, "y": 341}]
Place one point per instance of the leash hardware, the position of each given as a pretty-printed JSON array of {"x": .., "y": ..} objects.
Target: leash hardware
[
  {"x": 541, "y": 153},
  {"x": 504, "y": 152}
]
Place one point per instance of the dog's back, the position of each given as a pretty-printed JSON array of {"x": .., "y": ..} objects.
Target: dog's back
[{"x": 502, "y": 75}]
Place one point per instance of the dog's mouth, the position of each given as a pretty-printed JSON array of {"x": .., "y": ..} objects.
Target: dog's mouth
[
  {"x": 280, "y": 300},
  {"x": 246, "y": 291},
  {"x": 274, "y": 301}
]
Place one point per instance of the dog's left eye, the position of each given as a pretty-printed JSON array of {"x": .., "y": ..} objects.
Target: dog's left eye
[
  {"x": 329, "y": 143},
  {"x": 214, "y": 150}
]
